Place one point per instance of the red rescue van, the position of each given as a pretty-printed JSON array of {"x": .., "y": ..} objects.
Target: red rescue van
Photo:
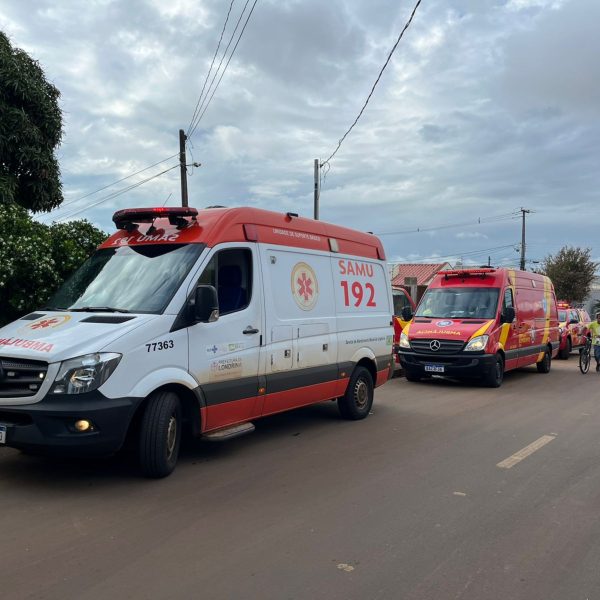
[
  {"x": 202, "y": 321},
  {"x": 573, "y": 324},
  {"x": 479, "y": 323}
]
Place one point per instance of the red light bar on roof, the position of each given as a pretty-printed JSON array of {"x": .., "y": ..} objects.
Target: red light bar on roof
[
  {"x": 466, "y": 273},
  {"x": 129, "y": 216}
]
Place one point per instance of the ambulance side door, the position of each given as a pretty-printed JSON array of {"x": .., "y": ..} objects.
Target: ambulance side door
[{"x": 224, "y": 355}]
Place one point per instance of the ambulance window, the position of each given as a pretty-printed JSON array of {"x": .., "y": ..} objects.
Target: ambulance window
[
  {"x": 574, "y": 316},
  {"x": 230, "y": 272},
  {"x": 508, "y": 299},
  {"x": 400, "y": 301}
]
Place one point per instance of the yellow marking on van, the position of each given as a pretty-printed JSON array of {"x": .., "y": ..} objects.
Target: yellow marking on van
[
  {"x": 548, "y": 298},
  {"x": 517, "y": 457},
  {"x": 482, "y": 329},
  {"x": 504, "y": 334}
]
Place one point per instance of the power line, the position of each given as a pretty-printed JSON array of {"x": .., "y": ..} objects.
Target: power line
[
  {"x": 406, "y": 26},
  {"x": 110, "y": 184},
  {"x": 199, "y": 118},
  {"x": 480, "y": 221},
  {"x": 468, "y": 253},
  {"x": 210, "y": 69},
  {"x": 115, "y": 194}
]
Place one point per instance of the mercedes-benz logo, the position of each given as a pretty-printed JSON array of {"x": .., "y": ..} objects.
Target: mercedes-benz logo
[{"x": 435, "y": 345}]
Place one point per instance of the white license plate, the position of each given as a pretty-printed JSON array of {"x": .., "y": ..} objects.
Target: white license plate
[
  {"x": 434, "y": 368},
  {"x": 2, "y": 434}
]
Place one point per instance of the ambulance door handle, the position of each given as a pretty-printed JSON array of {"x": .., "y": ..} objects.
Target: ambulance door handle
[{"x": 249, "y": 330}]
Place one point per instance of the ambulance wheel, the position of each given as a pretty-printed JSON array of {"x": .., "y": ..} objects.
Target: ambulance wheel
[
  {"x": 544, "y": 365},
  {"x": 495, "y": 375},
  {"x": 566, "y": 351},
  {"x": 160, "y": 434},
  {"x": 356, "y": 403}
]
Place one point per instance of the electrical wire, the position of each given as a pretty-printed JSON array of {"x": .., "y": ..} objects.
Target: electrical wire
[
  {"x": 199, "y": 118},
  {"x": 58, "y": 208},
  {"x": 406, "y": 26},
  {"x": 480, "y": 221},
  {"x": 114, "y": 195},
  {"x": 469, "y": 253},
  {"x": 211, "y": 66}
]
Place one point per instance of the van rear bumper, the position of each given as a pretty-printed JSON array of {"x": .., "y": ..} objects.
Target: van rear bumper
[
  {"x": 462, "y": 366},
  {"x": 47, "y": 427}
]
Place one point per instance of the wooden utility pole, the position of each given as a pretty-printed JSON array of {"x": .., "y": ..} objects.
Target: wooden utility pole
[
  {"x": 183, "y": 168},
  {"x": 317, "y": 187},
  {"x": 524, "y": 211}
]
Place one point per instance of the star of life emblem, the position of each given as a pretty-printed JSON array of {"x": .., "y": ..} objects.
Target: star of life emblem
[{"x": 305, "y": 288}]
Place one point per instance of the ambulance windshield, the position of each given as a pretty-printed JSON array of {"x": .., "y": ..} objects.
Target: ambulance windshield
[
  {"x": 459, "y": 303},
  {"x": 140, "y": 279},
  {"x": 562, "y": 316}
]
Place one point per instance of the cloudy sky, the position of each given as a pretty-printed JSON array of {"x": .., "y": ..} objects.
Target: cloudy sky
[{"x": 487, "y": 106}]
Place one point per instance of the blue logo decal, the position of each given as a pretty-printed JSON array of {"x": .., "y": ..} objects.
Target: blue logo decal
[{"x": 444, "y": 323}]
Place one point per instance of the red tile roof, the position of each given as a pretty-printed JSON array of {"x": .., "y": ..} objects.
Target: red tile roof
[{"x": 422, "y": 271}]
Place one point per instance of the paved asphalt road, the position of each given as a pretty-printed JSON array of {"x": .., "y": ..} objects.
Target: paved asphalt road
[{"x": 408, "y": 504}]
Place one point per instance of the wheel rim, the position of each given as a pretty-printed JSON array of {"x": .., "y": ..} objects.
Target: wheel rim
[
  {"x": 361, "y": 394},
  {"x": 171, "y": 436}
]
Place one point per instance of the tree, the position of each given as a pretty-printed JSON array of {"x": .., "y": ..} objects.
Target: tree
[
  {"x": 30, "y": 131},
  {"x": 35, "y": 258},
  {"x": 572, "y": 272}
]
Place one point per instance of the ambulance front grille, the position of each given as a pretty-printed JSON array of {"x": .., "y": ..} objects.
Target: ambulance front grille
[
  {"x": 21, "y": 378},
  {"x": 445, "y": 346}
]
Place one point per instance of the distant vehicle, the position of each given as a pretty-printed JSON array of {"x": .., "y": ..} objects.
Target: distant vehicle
[
  {"x": 205, "y": 320},
  {"x": 573, "y": 324},
  {"x": 401, "y": 299},
  {"x": 480, "y": 323}
]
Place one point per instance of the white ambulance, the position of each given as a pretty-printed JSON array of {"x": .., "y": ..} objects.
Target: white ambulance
[{"x": 198, "y": 321}]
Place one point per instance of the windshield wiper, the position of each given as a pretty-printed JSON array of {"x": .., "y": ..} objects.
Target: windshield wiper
[
  {"x": 99, "y": 309},
  {"x": 54, "y": 308}
]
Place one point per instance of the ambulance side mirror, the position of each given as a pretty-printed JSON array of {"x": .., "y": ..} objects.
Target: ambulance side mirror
[
  {"x": 508, "y": 315},
  {"x": 407, "y": 314},
  {"x": 206, "y": 304}
]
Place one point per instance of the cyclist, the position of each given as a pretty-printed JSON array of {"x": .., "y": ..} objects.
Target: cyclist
[{"x": 595, "y": 331}]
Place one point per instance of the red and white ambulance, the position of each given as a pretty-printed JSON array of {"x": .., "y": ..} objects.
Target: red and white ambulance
[
  {"x": 479, "y": 323},
  {"x": 206, "y": 320},
  {"x": 573, "y": 326}
]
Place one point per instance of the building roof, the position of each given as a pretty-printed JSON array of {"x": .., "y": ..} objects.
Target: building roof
[{"x": 424, "y": 272}]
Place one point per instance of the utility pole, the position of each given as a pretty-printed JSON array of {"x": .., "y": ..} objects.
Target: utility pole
[
  {"x": 317, "y": 187},
  {"x": 524, "y": 211},
  {"x": 183, "y": 168}
]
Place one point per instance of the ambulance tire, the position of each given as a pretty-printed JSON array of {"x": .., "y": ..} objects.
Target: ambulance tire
[
  {"x": 495, "y": 375},
  {"x": 566, "y": 351},
  {"x": 160, "y": 434},
  {"x": 544, "y": 365},
  {"x": 356, "y": 403}
]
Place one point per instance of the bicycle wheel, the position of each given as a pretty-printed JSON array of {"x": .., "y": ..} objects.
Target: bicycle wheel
[{"x": 584, "y": 360}]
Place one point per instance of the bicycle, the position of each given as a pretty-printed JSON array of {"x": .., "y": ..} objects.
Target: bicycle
[{"x": 585, "y": 356}]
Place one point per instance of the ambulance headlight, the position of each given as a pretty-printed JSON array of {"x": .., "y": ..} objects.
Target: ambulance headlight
[
  {"x": 404, "y": 343},
  {"x": 477, "y": 344},
  {"x": 85, "y": 373}
]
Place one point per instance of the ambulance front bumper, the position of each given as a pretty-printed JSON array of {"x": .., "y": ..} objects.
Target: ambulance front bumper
[
  {"x": 465, "y": 365},
  {"x": 48, "y": 426}
]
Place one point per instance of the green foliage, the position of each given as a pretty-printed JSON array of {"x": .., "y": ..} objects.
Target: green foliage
[
  {"x": 572, "y": 272},
  {"x": 30, "y": 131},
  {"x": 35, "y": 258}
]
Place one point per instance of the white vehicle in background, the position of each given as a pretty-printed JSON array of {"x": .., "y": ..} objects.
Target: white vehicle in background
[{"x": 205, "y": 320}]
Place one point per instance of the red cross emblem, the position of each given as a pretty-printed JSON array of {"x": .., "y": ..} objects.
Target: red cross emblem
[
  {"x": 305, "y": 287},
  {"x": 45, "y": 323}
]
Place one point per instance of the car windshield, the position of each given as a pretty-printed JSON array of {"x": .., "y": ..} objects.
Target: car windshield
[
  {"x": 562, "y": 315},
  {"x": 459, "y": 303},
  {"x": 140, "y": 279}
]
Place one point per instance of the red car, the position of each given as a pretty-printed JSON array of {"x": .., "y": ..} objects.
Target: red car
[{"x": 573, "y": 327}]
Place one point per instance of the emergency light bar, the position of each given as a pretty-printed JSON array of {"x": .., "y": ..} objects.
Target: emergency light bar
[
  {"x": 128, "y": 217},
  {"x": 463, "y": 273}
]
